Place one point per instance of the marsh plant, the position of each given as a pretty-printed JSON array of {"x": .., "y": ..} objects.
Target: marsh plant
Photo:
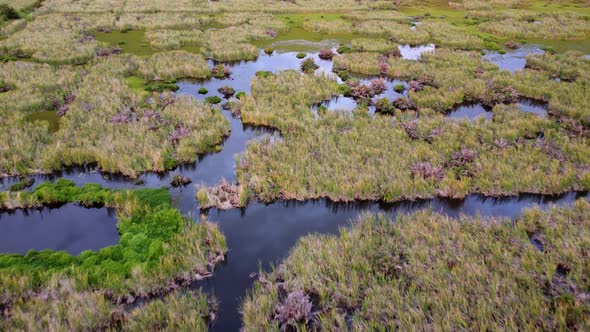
[{"x": 425, "y": 268}]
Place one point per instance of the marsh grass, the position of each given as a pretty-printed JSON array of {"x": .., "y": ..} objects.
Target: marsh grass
[
  {"x": 323, "y": 161},
  {"x": 372, "y": 45},
  {"x": 174, "y": 64},
  {"x": 284, "y": 100},
  {"x": 168, "y": 39},
  {"x": 426, "y": 269},
  {"x": 57, "y": 38}
]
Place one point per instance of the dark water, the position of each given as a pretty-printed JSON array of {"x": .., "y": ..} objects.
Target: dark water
[
  {"x": 262, "y": 235},
  {"x": 472, "y": 111},
  {"x": 512, "y": 60},
  {"x": 71, "y": 228},
  {"x": 538, "y": 108}
]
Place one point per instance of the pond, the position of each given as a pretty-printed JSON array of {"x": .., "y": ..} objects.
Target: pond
[
  {"x": 70, "y": 228},
  {"x": 472, "y": 111},
  {"x": 514, "y": 60}
]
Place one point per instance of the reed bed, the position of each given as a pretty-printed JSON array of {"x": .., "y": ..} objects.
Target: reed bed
[
  {"x": 162, "y": 20},
  {"x": 372, "y": 45},
  {"x": 545, "y": 26},
  {"x": 57, "y": 38},
  {"x": 168, "y": 39},
  {"x": 328, "y": 27},
  {"x": 400, "y": 33},
  {"x": 150, "y": 137},
  {"x": 568, "y": 66},
  {"x": 284, "y": 100},
  {"x": 174, "y": 64},
  {"x": 324, "y": 160},
  {"x": 32, "y": 88},
  {"x": 427, "y": 270}
]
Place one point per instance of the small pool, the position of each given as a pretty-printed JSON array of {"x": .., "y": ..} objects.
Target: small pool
[{"x": 71, "y": 228}]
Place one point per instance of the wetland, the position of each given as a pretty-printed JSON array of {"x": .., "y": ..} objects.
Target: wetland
[{"x": 232, "y": 165}]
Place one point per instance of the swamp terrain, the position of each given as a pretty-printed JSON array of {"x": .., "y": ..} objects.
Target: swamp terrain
[{"x": 295, "y": 165}]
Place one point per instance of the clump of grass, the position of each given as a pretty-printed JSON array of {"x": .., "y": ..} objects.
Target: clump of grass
[
  {"x": 226, "y": 91},
  {"x": 399, "y": 88},
  {"x": 343, "y": 49},
  {"x": 180, "y": 181},
  {"x": 425, "y": 268},
  {"x": 221, "y": 70},
  {"x": 240, "y": 94},
  {"x": 300, "y": 55},
  {"x": 383, "y": 105},
  {"x": 182, "y": 310},
  {"x": 371, "y": 45},
  {"x": 263, "y": 73},
  {"x": 56, "y": 39},
  {"x": 89, "y": 136},
  {"x": 213, "y": 100},
  {"x": 568, "y": 66},
  {"x": 203, "y": 90},
  {"x": 522, "y": 166},
  {"x": 558, "y": 25},
  {"x": 326, "y": 54},
  {"x": 327, "y": 26},
  {"x": 174, "y": 64},
  {"x": 309, "y": 66},
  {"x": 284, "y": 100},
  {"x": 223, "y": 195},
  {"x": 23, "y": 184}
]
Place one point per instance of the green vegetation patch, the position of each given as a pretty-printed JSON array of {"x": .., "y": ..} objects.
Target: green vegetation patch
[
  {"x": 426, "y": 269},
  {"x": 158, "y": 245}
]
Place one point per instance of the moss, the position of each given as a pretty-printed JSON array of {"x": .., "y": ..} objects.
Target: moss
[
  {"x": 300, "y": 55},
  {"x": 203, "y": 90},
  {"x": 263, "y": 74},
  {"x": 399, "y": 88},
  {"x": 213, "y": 100},
  {"x": 240, "y": 94}
]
